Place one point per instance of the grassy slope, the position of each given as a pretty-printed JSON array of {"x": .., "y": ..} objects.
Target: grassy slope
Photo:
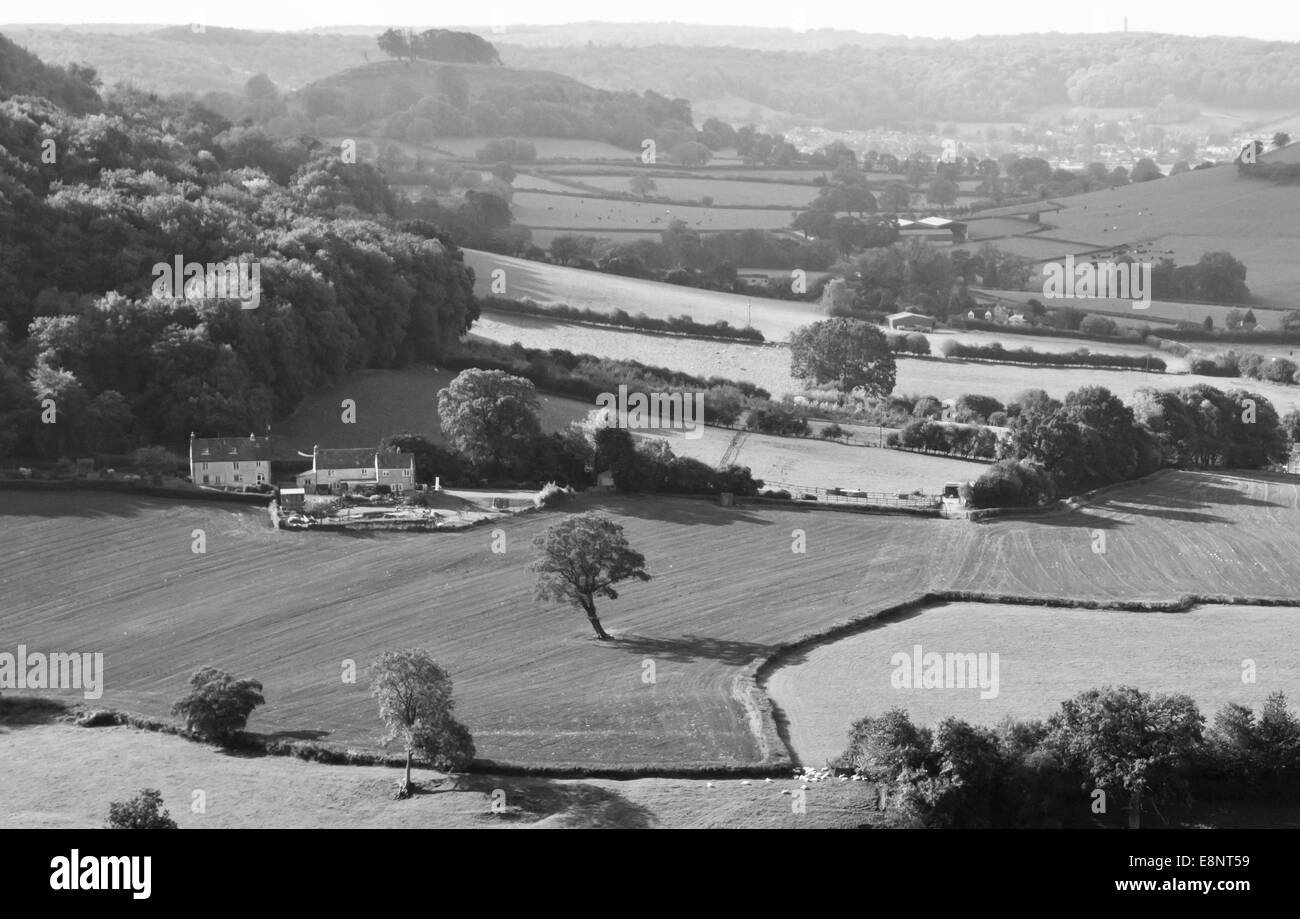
[
  {"x": 65, "y": 777},
  {"x": 1045, "y": 657},
  {"x": 107, "y": 573},
  {"x": 1194, "y": 213},
  {"x": 110, "y": 574}
]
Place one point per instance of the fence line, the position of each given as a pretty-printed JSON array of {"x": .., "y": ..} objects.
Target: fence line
[{"x": 854, "y": 496}]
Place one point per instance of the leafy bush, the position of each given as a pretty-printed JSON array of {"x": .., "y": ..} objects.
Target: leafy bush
[
  {"x": 218, "y": 706},
  {"x": 1012, "y": 483},
  {"x": 140, "y": 813}
]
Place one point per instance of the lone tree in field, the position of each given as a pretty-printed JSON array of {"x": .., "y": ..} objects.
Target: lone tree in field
[
  {"x": 583, "y": 557},
  {"x": 848, "y": 352},
  {"x": 1127, "y": 740},
  {"x": 490, "y": 417},
  {"x": 415, "y": 701},
  {"x": 140, "y": 813},
  {"x": 218, "y": 706}
]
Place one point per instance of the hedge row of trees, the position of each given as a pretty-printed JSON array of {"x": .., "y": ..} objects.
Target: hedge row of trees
[
  {"x": 681, "y": 325},
  {"x": 969, "y": 441},
  {"x": 1079, "y": 358},
  {"x": 1248, "y": 364},
  {"x": 1141, "y": 750},
  {"x": 1093, "y": 439}
]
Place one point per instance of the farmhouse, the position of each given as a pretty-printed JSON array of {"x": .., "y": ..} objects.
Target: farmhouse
[
  {"x": 913, "y": 322},
  {"x": 349, "y": 468},
  {"x": 230, "y": 461}
]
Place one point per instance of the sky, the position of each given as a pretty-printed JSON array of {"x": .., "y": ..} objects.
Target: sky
[{"x": 928, "y": 18}]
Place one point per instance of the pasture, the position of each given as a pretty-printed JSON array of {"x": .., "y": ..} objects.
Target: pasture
[
  {"x": 768, "y": 365},
  {"x": 116, "y": 574},
  {"x": 1188, "y": 215},
  {"x": 593, "y": 215},
  {"x": 723, "y": 192},
  {"x": 89, "y": 768},
  {"x": 1045, "y": 656}
]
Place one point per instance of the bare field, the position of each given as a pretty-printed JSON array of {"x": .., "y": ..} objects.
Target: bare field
[
  {"x": 1044, "y": 657},
  {"x": 57, "y": 776}
]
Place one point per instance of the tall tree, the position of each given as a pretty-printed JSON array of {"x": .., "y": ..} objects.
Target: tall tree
[
  {"x": 490, "y": 417},
  {"x": 847, "y": 352},
  {"x": 415, "y": 701},
  {"x": 582, "y": 558},
  {"x": 1127, "y": 741}
]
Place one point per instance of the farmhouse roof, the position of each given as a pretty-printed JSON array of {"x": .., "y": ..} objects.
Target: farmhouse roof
[
  {"x": 935, "y": 221},
  {"x": 394, "y": 459},
  {"x": 345, "y": 458},
  {"x": 230, "y": 449}
]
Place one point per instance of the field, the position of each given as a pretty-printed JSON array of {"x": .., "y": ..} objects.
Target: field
[
  {"x": 1189, "y": 214},
  {"x": 117, "y": 575},
  {"x": 57, "y": 776},
  {"x": 112, "y": 574},
  {"x": 1044, "y": 657},
  {"x": 1183, "y": 534},
  {"x": 818, "y": 463},
  {"x": 724, "y": 192},
  {"x": 768, "y": 366},
  {"x": 594, "y": 215}
]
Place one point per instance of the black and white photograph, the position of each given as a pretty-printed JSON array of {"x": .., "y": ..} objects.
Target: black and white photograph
[{"x": 812, "y": 416}]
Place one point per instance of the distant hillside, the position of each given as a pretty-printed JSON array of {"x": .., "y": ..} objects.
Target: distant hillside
[
  {"x": 989, "y": 78},
  {"x": 24, "y": 74},
  {"x": 176, "y": 59},
  {"x": 420, "y": 100}
]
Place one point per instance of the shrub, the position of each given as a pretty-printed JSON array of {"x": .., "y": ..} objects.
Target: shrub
[
  {"x": 218, "y": 706},
  {"x": 1279, "y": 370},
  {"x": 1012, "y": 483},
  {"x": 832, "y": 432},
  {"x": 551, "y": 495},
  {"x": 140, "y": 813},
  {"x": 1094, "y": 324},
  {"x": 782, "y": 418}
]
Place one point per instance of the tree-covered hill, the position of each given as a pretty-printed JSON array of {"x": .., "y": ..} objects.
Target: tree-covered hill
[{"x": 90, "y": 205}]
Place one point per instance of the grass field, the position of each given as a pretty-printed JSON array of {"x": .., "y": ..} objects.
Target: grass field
[
  {"x": 593, "y": 215},
  {"x": 818, "y": 463},
  {"x": 724, "y": 192},
  {"x": 1044, "y": 657},
  {"x": 58, "y": 776},
  {"x": 1190, "y": 214},
  {"x": 117, "y": 575},
  {"x": 769, "y": 366},
  {"x": 108, "y": 573}
]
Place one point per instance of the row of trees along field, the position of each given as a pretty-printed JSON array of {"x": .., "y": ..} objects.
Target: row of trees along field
[
  {"x": 1141, "y": 750},
  {"x": 90, "y": 205},
  {"x": 1093, "y": 439}
]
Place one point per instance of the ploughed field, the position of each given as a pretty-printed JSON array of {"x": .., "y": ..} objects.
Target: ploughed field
[{"x": 115, "y": 574}]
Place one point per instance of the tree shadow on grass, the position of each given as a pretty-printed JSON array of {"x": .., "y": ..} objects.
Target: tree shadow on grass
[
  {"x": 29, "y": 711},
  {"x": 528, "y": 799},
  {"x": 297, "y": 735},
  {"x": 689, "y": 648}
]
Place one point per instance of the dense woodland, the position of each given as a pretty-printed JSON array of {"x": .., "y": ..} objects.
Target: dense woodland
[{"x": 90, "y": 203}]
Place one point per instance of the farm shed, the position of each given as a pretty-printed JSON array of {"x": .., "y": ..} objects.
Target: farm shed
[{"x": 908, "y": 321}]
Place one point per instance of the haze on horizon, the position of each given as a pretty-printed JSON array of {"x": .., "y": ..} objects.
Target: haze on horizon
[{"x": 944, "y": 19}]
